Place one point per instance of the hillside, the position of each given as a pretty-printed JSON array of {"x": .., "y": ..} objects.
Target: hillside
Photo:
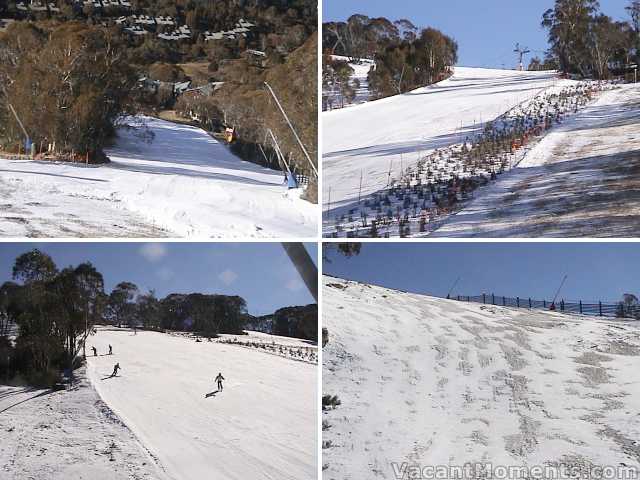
[
  {"x": 380, "y": 139},
  {"x": 163, "y": 179},
  {"x": 581, "y": 180},
  {"x": 238, "y": 433},
  {"x": 429, "y": 381}
]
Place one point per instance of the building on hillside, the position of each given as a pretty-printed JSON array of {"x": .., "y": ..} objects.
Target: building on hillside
[
  {"x": 165, "y": 21},
  {"x": 181, "y": 33},
  {"x": 241, "y": 29},
  {"x": 136, "y": 30},
  {"x": 143, "y": 20},
  {"x": 5, "y": 22}
]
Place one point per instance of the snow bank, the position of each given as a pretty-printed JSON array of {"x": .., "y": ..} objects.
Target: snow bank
[
  {"x": 263, "y": 425},
  {"x": 68, "y": 435},
  {"x": 433, "y": 382}
]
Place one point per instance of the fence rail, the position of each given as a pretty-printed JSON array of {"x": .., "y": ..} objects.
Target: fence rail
[{"x": 591, "y": 308}]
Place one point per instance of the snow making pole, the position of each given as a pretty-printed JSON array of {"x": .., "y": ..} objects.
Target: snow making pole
[
  {"x": 295, "y": 134},
  {"x": 553, "y": 303},
  {"x": 452, "y": 287},
  {"x": 305, "y": 266}
]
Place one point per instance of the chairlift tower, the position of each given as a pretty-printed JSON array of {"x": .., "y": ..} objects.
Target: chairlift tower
[{"x": 521, "y": 53}]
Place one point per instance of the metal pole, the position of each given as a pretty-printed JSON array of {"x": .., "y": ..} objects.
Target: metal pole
[
  {"x": 360, "y": 190},
  {"x": 452, "y": 287},
  {"x": 559, "y": 288},
  {"x": 295, "y": 134},
  {"x": 305, "y": 266}
]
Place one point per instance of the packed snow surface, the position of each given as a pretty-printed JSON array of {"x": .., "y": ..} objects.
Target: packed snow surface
[
  {"x": 70, "y": 434},
  {"x": 383, "y": 136},
  {"x": 163, "y": 180},
  {"x": 580, "y": 180},
  {"x": 432, "y": 382},
  {"x": 262, "y": 425}
]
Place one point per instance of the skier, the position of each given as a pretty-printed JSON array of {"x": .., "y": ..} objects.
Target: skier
[
  {"x": 219, "y": 379},
  {"x": 110, "y": 350},
  {"x": 115, "y": 369},
  {"x": 95, "y": 352}
]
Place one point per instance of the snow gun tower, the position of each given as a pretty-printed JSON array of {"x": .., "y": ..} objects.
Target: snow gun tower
[{"x": 521, "y": 53}]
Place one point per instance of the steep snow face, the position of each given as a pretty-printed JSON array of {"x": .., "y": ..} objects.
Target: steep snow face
[
  {"x": 176, "y": 181},
  {"x": 376, "y": 138},
  {"x": 262, "y": 425},
  {"x": 61, "y": 435},
  {"x": 580, "y": 180},
  {"x": 435, "y": 382}
]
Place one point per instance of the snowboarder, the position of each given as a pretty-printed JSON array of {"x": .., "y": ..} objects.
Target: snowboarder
[
  {"x": 219, "y": 379},
  {"x": 95, "y": 352},
  {"x": 110, "y": 350},
  {"x": 115, "y": 369}
]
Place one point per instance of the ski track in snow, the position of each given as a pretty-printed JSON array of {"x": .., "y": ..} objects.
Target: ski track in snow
[
  {"x": 401, "y": 129},
  {"x": 183, "y": 183},
  {"x": 262, "y": 425},
  {"x": 65, "y": 435},
  {"x": 430, "y": 381},
  {"x": 581, "y": 180}
]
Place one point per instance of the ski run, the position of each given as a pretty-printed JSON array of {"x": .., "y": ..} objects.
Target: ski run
[
  {"x": 160, "y": 418},
  {"x": 164, "y": 180},
  {"x": 426, "y": 381},
  {"x": 579, "y": 178}
]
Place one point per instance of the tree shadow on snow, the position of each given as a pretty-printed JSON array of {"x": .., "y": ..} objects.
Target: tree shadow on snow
[{"x": 41, "y": 394}]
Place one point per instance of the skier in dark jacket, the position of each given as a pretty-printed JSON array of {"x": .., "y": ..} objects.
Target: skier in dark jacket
[
  {"x": 110, "y": 350},
  {"x": 219, "y": 379},
  {"x": 115, "y": 369},
  {"x": 95, "y": 352}
]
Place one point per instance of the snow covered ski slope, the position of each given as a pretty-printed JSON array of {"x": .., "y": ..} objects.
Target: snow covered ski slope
[
  {"x": 262, "y": 425},
  {"x": 427, "y": 381},
  {"x": 182, "y": 182},
  {"x": 580, "y": 180},
  {"x": 373, "y": 138}
]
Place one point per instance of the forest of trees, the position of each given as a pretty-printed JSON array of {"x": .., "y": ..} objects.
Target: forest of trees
[
  {"x": 406, "y": 56},
  {"x": 69, "y": 99},
  {"x": 67, "y": 85},
  {"x": 54, "y": 310},
  {"x": 588, "y": 43},
  {"x": 296, "y": 322}
]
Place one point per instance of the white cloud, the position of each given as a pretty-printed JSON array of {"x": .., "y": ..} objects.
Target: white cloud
[
  {"x": 165, "y": 273},
  {"x": 153, "y": 252},
  {"x": 294, "y": 284},
  {"x": 228, "y": 277}
]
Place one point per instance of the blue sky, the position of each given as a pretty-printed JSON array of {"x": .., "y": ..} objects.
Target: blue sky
[
  {"x": 486, "y": 30},
  {"x": 596, "y": 271},
  {"x": 261, "y": 273}
]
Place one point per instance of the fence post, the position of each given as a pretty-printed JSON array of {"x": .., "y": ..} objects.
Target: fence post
[
  {"x": 529, "y": 304},
  {"x": 580, "y": 307},
  {"x": 493, "y": 299},
  {"x": 544, "y": 304},
  {"x": 483, "y": 299},
  {"x": 562, "y": 305},
  {"x": 458, "y": 297},
  {"x": 504, "y": 301},
  {"x": 600, "y": 307},
  {"x": 518, "y": 301}
]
